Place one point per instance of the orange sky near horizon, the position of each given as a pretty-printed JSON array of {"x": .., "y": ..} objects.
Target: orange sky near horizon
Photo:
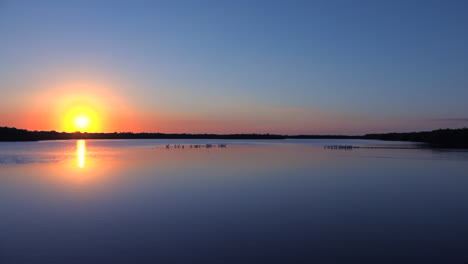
[
  {"x": 105, "y": 108},
  {"x": 57, "y": 109}
]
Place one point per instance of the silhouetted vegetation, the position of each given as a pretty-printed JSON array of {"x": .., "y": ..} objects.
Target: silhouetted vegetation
[
  {"x": 14, "y": 134},
  {"x": 439, "y": 138},
  {"x": 455, "y": 138}
]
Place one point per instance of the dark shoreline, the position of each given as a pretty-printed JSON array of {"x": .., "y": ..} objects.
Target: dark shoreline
[{"x": 447, "y": 138}]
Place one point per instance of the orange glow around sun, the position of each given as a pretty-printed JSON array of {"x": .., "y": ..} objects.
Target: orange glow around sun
[{"x": 90, "y": 106}]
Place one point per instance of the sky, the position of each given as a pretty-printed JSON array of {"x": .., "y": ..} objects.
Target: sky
[{"x": 287, "y": 67}]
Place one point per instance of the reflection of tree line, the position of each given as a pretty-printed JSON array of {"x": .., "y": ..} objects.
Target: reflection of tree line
[{"x": 441, "y": 137}]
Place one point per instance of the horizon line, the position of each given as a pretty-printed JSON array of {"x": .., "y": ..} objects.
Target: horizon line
[{"x": 221, "y": 134}]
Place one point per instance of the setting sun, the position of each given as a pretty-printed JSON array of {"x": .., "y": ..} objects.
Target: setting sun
[
  {"x": 83, "y": 119},
  {"x": 81, "y": 122}
]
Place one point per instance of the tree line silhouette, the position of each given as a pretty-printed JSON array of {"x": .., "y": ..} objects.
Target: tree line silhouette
[
  {"x": 440, "y": 137},
  {"x": 456, "y": 138},
  {"x": 14, "y": 134}
]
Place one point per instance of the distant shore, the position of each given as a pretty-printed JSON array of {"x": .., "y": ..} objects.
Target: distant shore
[{"x": 452, "y": 138}]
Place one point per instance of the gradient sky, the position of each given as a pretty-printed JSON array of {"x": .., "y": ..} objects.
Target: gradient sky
[{"x": 293, "y": 67}]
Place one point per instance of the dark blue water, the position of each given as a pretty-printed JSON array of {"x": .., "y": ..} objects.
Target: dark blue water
[{"x": 288, "y": 201}]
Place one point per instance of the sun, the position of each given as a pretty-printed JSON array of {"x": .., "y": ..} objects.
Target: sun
[
  {"x": 81, "y": 122},
  {"x": 82, "y": 119}
]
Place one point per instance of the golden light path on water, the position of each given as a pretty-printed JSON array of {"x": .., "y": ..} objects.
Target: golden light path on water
[{"x": 80, "y": 153}]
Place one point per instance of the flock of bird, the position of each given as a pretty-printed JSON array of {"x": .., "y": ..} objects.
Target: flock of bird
[
  {"x": 168, "y": 146},
  {"x": 178, "y": 146},
  {"x": 346, "y": 147}
]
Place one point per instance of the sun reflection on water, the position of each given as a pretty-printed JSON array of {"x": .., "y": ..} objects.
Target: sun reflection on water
[{"x": 80, "y": 153}]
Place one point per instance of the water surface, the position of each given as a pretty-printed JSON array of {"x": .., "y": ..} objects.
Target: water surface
[{"x": 255, "y": 201}]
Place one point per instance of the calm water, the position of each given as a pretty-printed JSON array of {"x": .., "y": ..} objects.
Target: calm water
[{"x": 289, "y": 201}]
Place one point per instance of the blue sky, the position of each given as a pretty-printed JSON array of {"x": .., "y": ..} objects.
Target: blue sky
[{"x": 398, "y": 65}]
